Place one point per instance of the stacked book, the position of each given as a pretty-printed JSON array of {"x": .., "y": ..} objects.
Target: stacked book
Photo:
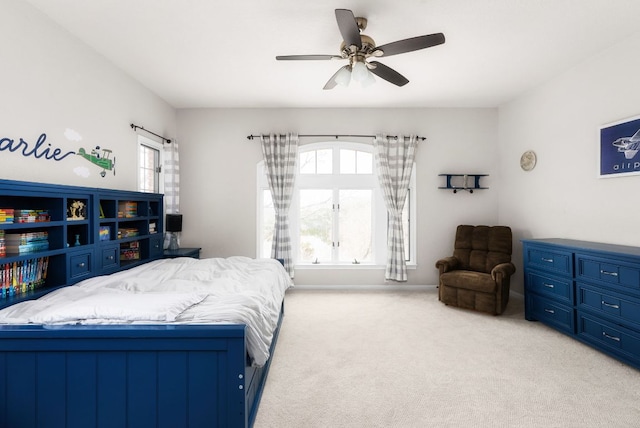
[
  {"x": 27, "y": 242},
  {"x": 3, "y": 245},
  {"x": 20, "y": 277},
  {"x": 130, "y": 251},
  {"x": 127, "y": 232},
  {"x": 6, "y": 215},
  {"x": 31, "y": 216},
  {"x": 127, "y": 209}
]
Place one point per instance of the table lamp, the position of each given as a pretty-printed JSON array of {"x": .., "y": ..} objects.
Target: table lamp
[{"x": 173, "y": 226}]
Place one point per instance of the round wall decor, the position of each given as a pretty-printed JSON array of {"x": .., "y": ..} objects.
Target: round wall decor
[{"x": 528, "y": 160}]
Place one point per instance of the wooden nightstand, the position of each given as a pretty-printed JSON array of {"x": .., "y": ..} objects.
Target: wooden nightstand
[{"x": 182, "y": 252}]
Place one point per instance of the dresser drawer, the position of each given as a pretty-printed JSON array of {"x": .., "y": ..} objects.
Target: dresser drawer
[
  {"x": 610, "y": 337},
  {"x": 617, "y": 307},
  {"x": 551, "y": 312},
  {"x": 80, "y": 265},
  {"x": 608, "y": 271},
  {"x": 109, "y": 258},
  {"x": 550, "y": 260},
  {"x": 555, "y": 288}
]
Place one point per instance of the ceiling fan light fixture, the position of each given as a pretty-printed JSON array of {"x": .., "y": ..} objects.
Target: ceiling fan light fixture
[
  {"x": 368, "y": 81},
  {"x": 359, "y": 71},
  {"x": 344, "y": 76}
]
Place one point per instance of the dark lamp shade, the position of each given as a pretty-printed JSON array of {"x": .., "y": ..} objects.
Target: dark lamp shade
[{"x": 174, "y": 223}]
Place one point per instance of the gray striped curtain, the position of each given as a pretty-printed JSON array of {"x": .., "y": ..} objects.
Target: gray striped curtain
[
  {"x": 171, "y": 170},
  {"x": 394, "y": 162},
  {"x": 280, "y": 154}
]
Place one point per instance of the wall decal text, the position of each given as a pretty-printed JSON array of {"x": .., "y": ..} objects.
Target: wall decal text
[{"x": 37, "y": 150}]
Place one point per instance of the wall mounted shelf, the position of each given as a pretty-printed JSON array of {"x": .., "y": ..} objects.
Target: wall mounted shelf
[{"x": 468, "y": 182}]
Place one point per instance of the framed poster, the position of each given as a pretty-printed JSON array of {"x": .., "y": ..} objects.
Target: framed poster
[{"x": 619, "y": 144}]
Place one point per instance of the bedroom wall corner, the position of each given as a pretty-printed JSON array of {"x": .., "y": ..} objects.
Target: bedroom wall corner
[{"x": 562, "y": 196}]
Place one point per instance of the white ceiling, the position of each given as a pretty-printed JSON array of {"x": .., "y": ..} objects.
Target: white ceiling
[{"x": 210, "y": 53}]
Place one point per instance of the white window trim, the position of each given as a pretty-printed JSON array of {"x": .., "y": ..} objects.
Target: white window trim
[
  {"x": 144, "y": 141},
  {"x": 379, "y": 237}
]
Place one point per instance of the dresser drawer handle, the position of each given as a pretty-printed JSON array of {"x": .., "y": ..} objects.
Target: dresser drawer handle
[
  {"x": 610, "y": 305},
  {"x": 608, "y": 336},
  {"x": 110, "y": 258},
  {"x": 549, "y": 311},
  {"x": 548, "y": 285},
  {"x": 80, "y": 264},
  {"x": 604, "y": 272},
  {"x": 547, "y": 260}
]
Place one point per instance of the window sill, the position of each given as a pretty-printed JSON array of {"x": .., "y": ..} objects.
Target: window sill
[{"x": 321, "y": 266}]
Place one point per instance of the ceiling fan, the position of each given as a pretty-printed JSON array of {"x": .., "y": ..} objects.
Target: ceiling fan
[{"x": 358, "y": 48}]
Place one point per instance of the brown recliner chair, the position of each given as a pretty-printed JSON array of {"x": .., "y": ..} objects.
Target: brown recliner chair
[{"x": 477, "y": 275}]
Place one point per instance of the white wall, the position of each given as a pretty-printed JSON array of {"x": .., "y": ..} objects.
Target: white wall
[
  {"x": 50, "y": 81},
  {"x": 563, "y": 197},
  {"x": 218, "y": 176}
]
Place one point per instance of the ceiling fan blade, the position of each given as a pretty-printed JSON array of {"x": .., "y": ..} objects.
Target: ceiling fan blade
[
  {"x": 348, "y": 27},
  {"x": 306, "y": 57},
  {"x": 412, "y": 44},
  {"x": 334, "y": 79},
  {"x": 388, "y": 74}
]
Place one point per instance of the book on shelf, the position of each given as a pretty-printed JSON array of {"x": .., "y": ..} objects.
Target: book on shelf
[
  {"x": 127, "y": 232},
  {"x": 127, "y": 209},
  {"x": 104, "y": 234},
  {"x": 23, "y": 276},
  {"x": 130, "y": 250},
  {"x": 6, "y": 215},
  {"x": 30, "y": 216},
  {"x": 26, "y": 242}
]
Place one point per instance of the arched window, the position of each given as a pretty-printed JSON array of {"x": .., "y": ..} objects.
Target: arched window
[{"x": 337, "y": 215}]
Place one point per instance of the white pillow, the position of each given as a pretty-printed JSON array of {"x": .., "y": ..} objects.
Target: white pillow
[{"x": 162, "y": 307}]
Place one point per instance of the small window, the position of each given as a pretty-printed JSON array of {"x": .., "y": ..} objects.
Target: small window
[
  {"x": 149, "y": 165},
  {"x": 355, "y": 162},
  {"x": 316, "y": 162}
]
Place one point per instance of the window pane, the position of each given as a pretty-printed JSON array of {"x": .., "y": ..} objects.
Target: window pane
[
  {"x": 315, "y": 225},
  {"x": 324, "y": 158},
  {"x": 308, "y": 162},
  {"x": 347, "y": 161},
  {"x": 268, "y": 223},
  {"x": 149, "y": 159},
  {"x": 355, "y": 225},
  {"x": 364, "y": 162}
]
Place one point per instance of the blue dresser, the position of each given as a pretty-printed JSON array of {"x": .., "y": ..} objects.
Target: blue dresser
[{"x": 588, "y": 290}]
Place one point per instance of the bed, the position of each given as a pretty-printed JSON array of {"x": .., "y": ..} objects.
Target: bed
[{"x": 171, "y": 343}]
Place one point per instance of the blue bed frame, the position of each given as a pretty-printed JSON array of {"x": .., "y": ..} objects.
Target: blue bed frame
[{"x": 128, "y": 376}]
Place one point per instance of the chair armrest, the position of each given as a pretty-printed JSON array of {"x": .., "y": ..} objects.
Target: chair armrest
[
  {"x": 447, "y": 264},
  {"x": 504, "y": 270}
]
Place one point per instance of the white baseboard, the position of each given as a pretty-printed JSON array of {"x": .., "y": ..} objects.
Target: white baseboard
[{"x": 390, "y": 287}]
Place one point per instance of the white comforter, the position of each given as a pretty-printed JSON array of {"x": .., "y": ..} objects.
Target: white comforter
[{"x": 235, "y": 290}]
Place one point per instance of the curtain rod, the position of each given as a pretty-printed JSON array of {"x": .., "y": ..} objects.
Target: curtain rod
[
  {"x": 134, "y": 127},
  {"x": 251, "y": 137}
]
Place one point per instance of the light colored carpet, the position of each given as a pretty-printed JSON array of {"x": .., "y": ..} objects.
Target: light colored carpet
[{"x": 403, "y": 359}]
